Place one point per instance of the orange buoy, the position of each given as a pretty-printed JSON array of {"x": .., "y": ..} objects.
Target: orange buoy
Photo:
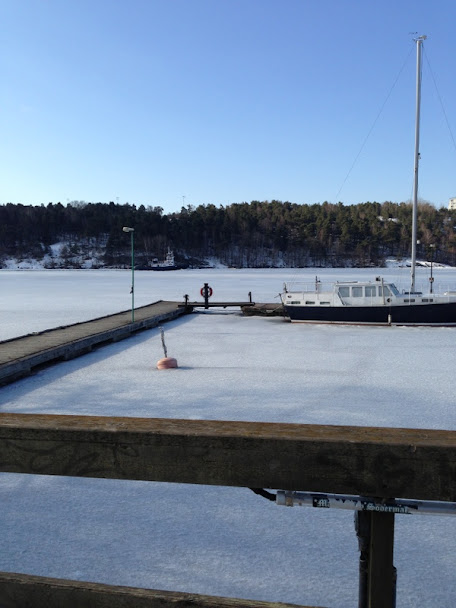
[{"x": 167, "y": 363}]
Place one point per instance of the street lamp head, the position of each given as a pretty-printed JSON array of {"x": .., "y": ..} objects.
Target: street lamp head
[{"x": 127, "y": 229}]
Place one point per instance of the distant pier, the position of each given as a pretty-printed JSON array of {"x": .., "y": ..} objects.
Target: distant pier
[
  {"x": 249, "y": 309},
  {"x": 264, "y": 310}
]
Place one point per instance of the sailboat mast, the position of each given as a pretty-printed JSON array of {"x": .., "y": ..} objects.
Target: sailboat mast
[{"x": 419, "y": 42}]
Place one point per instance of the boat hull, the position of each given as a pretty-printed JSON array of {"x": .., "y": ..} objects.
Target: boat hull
[{"x": 443, "y": 314}]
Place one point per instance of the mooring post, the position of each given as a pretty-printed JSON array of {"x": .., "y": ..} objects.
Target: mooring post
[
  {"x": 381, "y": 568},
  {"x": 250, "y": 296},
  {"x": 206, "y": 295},
  {"x": 377, "y": 575},
  {"x": 362, "y": 527}
]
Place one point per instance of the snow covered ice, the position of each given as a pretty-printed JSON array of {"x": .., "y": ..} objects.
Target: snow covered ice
[{"x": 216, "y": 540}]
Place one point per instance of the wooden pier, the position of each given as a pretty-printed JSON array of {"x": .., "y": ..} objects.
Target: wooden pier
[
  {"x": 263, "y": 310},
  {"x": 248, "y": 309},
  {"x": 20, "y": 356},
  {"x": 202, "y": 304}
]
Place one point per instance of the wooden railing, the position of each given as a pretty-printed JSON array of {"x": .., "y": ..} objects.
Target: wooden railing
[{"x": 373, "y": 462}]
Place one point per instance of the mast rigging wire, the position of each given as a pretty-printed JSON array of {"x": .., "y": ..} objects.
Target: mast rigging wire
[
  {"x": 440, "y": 100},
  {"x": 373, "y": 125}
]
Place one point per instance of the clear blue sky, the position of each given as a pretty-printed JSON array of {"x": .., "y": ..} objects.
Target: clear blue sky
[{"x": 223, "y": 101}]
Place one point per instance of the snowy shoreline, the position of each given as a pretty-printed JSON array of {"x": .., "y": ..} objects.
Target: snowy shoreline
[{"x": 56, "y": 262}]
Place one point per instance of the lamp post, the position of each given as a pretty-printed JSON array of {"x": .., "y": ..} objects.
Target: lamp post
[
  {"x": 431, "y": 278},
  {"x": 132, "y": 232}
]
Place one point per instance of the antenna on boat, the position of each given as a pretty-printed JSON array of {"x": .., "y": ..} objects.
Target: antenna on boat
[{"x": 419, "y": 41}]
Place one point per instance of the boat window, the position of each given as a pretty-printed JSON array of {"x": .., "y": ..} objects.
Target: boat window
[
  {"x": 394, "y": 289},
  {"x": 409, "y": 300},
  {"x": 294, "y": 302},
  {"x": 357, "y": 292},
  {"x": 371, "y": 291},
  {"x": 323, "y": 303},
  {"x": 344, "y": 292},
  {"x": 309, "y": 302},
  {"x": 384, "y": 290}
]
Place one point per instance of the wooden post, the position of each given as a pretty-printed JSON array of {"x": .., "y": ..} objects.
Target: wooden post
[
  {"x": 206, "y": 295},
  {"x": 377, "y": 575},
  {"x": 381, "y": 569},
  {"x": 363, "y": 528}
]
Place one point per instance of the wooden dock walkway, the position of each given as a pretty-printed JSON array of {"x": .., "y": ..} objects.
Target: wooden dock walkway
[
  {"x": 263, "y": 310},
  {"x": 20, "y": 356},
  {"x": 249, "y": 309}
]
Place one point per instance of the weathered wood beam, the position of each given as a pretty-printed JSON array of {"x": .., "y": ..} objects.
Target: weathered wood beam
[
  {"x": 42, "y": 592},
  {"x": 380, "y": 462}
]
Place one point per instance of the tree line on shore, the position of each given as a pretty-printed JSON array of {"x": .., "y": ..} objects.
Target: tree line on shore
[{"x": 256, "y": 234}]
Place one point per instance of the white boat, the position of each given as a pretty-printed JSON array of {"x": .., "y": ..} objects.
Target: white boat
[
  {"x": 167, "y": 264},
  {"x": 368, "y": 302},
  {"x": 377, "y": 301}
]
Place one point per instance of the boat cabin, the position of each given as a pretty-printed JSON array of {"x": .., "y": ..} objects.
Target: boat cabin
[
  {"x": 350, "y": 293},
  {"x": 365, "y": 294}
]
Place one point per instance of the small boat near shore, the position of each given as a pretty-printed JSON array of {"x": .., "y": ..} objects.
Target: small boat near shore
[
  {"x": 378, "y": 301},
  {"x": 167, "y": 264}
]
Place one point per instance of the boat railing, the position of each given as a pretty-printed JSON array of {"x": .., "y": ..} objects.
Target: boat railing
[
  {"x": 422, "y": 289},
  {"x": 309, "y": 287},
  {"x": 438, "y": 289}
]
